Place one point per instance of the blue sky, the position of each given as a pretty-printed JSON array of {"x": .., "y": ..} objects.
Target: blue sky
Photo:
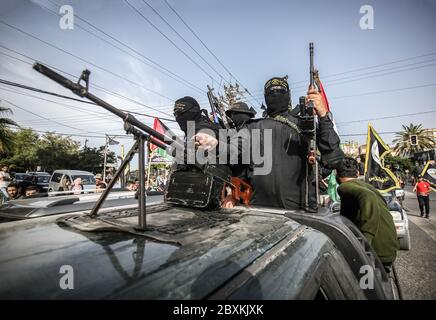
[{"x": 255, "y": 40}]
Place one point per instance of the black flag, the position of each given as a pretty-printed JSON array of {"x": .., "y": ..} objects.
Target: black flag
[
  {"x": 375, "y": 172},
  {"x": 429, "y": 174}
]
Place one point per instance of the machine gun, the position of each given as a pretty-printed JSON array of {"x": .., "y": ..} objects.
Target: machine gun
[
  {"x": 142, "y": 134},
  {"x": 308, "y": 126}
]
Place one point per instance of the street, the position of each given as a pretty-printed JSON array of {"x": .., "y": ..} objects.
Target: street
[{"x": 416, "y": 268}]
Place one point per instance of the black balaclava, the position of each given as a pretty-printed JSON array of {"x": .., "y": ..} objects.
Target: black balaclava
[
  {"x": 277, "y": 95},
  {"x": 186, "y": 109},
  {"x": 239, "y": 118}
]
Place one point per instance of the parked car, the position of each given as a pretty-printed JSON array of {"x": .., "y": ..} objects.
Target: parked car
[
  {"x": 400, "y": 219},
  {"x": 88, "y": 180},
  {"x": 38, "y": 179},
  {"x": 55, "y": 205},
  {"x": 19, "y": 177},
  {"x": 186, "y": 253}
]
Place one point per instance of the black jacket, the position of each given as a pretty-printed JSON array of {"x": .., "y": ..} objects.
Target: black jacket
[{"x": 284, "y": 185}]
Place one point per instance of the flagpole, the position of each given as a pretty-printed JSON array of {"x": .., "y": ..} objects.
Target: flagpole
[
  {"x": 105, "y": 160},
  {"x": 149, "y": 163}
]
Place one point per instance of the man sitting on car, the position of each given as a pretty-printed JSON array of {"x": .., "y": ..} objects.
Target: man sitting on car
[{"x": 366, "y": 207}]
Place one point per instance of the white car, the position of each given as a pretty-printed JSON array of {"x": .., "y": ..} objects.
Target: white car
[
  {"x": 88, "y": 180},
  {"x": 400, "y": 219}
]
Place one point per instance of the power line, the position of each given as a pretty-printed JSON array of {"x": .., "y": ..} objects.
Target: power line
[
  {"x": 181, "y": 37},
  {"x": 14, "y": 84},
  {"x": 48, "y": 119},
  {"x": 74, "y": 134},
  {"x": 368, "y": 67},
  {"x": 333, "y": 82},
  {"x": 153, "y": 64},
  {"x": 210, "y": 51},
  {"x": 365, "y": 134},
  {"x": 84, "y": 60},
  {"x": 171, "y": 41},
  {"x": 383, "y": 91},
  {"x": 387, "y": 117},
  {"x": 95, "y": 86}
]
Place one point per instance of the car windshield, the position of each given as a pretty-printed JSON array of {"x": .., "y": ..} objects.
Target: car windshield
[
  {"x": 86, "y": 179},
  {"x": 43, "y": 179}
]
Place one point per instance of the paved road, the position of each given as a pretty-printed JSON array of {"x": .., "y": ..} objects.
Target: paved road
[{"x": 416, "y": 268}]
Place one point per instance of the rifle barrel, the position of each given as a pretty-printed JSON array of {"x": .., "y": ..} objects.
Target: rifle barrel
[
  {"x": 312, "y": 69},
  {"x": 82, "y": 92}
]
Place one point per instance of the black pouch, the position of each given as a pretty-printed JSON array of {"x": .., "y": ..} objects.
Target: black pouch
[{"x": 202, "y": 188}]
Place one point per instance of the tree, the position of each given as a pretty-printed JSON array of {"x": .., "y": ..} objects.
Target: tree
[
  {"x": 403, "y": 140},
  {"x": 23, "y": 156},
  {"x": 57, "y": 152},
  {"x": 6, "y": 134},
  {"x": 92, "y": 159}
]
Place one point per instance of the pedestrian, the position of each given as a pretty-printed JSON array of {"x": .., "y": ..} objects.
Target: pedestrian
[
  {"x": 422, "y": 189},
  {"x": 100, "y": 187},
  {"x": 65, "y": 184},
  {"x": 99, "y": 180},
  {"x": 31, "y": 191},
  {"x": 367, "y": 209},
  {"x": 5, "y": 177},
  {"x": 12, "y": 190},
  {"x": 77, "y": 186}
]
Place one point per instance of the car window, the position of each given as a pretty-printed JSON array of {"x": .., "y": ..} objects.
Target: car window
[
  {"x": 28, "y": 178},
  {"x": 43, "y": 179},
  {"x": 86, "y": 179},
  {"x": 56, "y": 177}
]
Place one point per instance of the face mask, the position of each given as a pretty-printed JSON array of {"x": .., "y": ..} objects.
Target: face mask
[
  {"x": 239, "y": 118},
  {"x": 183, "y": 118},
  {"x": 277, "y": 103}
]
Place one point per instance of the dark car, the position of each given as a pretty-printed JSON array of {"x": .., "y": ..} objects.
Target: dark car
[
  {"x": 38, "y": 179},
  {"x": 19, "y": 177},
  {"x": 185, "y": 253}
]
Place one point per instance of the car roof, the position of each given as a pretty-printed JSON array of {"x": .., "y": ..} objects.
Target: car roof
[
  {"x": 44, "y": 202},
  {"x": 207, "y": 245},
  {"x": 74, "y": 172},
  {"x": 39, "y": 173}
]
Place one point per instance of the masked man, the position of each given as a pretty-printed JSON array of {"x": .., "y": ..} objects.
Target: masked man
[{"x": 283, "y": 186}]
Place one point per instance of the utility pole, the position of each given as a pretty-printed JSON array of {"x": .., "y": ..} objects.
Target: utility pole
[{"x": 105, "y": 159}]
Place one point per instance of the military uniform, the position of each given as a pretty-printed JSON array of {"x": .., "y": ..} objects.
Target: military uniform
[
  {"x": 367, "y": 209},
  {"x": 284, "y": 186}
]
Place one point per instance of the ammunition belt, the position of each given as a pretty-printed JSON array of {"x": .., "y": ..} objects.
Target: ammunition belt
[{"x": 286, "y": 121}]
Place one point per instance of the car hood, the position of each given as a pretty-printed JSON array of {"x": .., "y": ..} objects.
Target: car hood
[{"x": 185, "y": 254}]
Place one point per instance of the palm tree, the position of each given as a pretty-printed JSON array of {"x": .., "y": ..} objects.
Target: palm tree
[
  {"x": 6, "y": 135},
  {"x": 403, "y": 145}
]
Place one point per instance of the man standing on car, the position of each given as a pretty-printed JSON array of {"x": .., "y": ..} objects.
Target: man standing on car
[
  {"x": 367, "y": 209},
  {"x": 422, "y": 189}
]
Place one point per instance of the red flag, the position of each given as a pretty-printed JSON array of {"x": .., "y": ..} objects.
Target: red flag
[
  {"x": 324, "y": 96},
  {"x": 159, "y": 127}
]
